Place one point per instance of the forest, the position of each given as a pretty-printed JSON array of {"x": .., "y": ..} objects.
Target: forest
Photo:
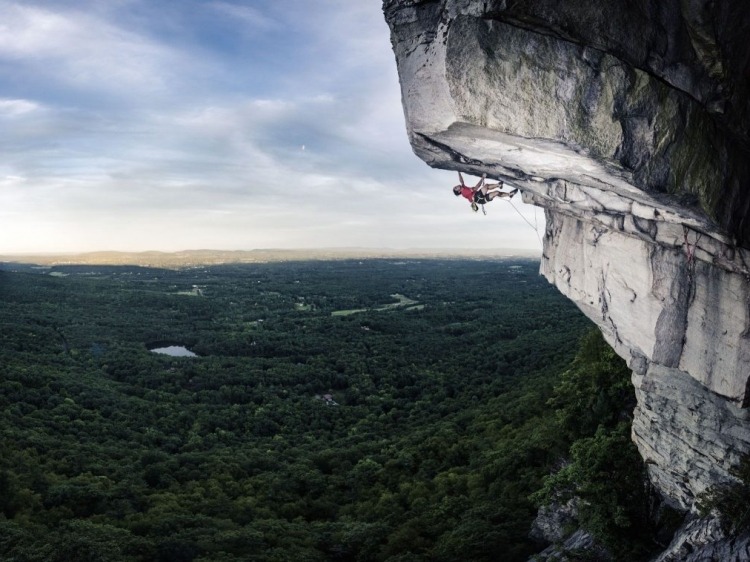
[{"x": 356, "y": 410}]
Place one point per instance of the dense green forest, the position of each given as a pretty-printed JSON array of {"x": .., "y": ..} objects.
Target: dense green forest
[{"x": 346, "y": 410}]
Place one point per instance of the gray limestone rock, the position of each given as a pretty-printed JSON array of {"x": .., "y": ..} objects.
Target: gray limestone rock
[
  {"x": 629, "y": 123},
  {"x": 578, "y": 546},
  {"x": 703, "y": 540},
  {"x": 555, "y": 522},
  {"x": 652, "y": 92}
]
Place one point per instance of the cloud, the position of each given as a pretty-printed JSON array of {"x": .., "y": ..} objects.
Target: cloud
[
  {"x": 247, "y": 15},
  {"x": 14, "y": 107},
  {"x": 72, "y": 52},
  {"x": 142, "y": 125}
]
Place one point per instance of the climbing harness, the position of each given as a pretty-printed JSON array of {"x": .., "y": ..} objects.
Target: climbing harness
[{"x": 475, "y": 207}]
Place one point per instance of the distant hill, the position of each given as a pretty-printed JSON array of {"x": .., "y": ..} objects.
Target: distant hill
[{"x": 189, "y": 258}]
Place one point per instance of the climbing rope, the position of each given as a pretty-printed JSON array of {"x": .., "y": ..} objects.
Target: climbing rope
[{"x": 535, "y": 227}]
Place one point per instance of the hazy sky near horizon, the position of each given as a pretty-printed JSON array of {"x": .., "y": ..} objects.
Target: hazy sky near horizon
[{"x": 135, "y": 125}]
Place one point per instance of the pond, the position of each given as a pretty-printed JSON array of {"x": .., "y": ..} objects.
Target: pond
[{"x": 174, "y": 351}]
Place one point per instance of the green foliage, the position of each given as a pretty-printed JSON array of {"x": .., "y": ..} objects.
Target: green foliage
[
  {"x": 731, "y": 501},
  {"x": 231, "y": 456},
  {"x": 606, "y": 474},
  {"x": 441, "y": 433},
  {"x": 596, "y": 390},
  {"x": 594, "y": 402}
]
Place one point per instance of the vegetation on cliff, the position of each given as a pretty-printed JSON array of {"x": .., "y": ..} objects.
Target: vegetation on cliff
[
  {"x": 730, "y": 501},
  {"x": 594, "y": 402}
]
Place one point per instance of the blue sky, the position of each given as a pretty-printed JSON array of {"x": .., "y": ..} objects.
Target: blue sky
[{"x": 178, "y": 124}]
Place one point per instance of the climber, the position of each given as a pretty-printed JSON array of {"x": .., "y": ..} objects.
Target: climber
[{"x": 481, "y": 193}]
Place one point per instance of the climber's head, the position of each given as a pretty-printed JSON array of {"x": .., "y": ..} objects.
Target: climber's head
[{"x": 457, "y": 190}]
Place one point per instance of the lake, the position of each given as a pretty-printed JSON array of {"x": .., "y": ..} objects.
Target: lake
[{"x": 174, "y": 351}]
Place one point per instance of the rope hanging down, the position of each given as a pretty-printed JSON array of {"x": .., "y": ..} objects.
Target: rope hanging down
[{"x": 534, "y": 227}]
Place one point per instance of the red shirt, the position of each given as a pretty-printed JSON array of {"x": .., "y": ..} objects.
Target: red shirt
[{"x": 467, "y": 192}]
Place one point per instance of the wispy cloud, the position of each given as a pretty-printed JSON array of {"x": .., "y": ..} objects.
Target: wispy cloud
[
  {"x": 12, "y": 108},
  {"x": 134, "y": 124},
  {"x": 74, "y": 50},
  {"x": 247, "y": 15}
]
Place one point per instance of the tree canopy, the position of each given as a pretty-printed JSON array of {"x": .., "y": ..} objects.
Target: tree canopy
[{"x": 354, "y": 410}]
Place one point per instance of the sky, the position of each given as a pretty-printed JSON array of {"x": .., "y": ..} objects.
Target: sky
[{"x": 136, "y": 125}]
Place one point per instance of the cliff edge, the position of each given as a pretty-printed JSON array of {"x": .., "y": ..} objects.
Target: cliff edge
[{"x": 628, "y": 122}]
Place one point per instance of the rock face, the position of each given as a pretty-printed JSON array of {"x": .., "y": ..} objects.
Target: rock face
[
  {"x": 629, "y": 123},
  {"x": 703, "y": 540},
  {"x": 650, "y": 95}
]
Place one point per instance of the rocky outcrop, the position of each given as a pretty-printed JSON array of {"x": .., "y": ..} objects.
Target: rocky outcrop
[
  {"x": 703, "y": 540},
  {"x": 628, "y": 123},
  {"x": 555, "y": 522},
  {"x": 557, "y": 525},
  {"x": 578, "y": 546}
]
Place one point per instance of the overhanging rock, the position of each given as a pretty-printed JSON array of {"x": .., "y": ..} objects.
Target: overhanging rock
[{"x": 627, "y": 122}]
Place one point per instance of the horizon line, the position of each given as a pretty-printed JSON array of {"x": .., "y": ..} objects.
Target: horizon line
[
  {"x": 281, "y": 250},
  {"x": 185, "y": 258}
]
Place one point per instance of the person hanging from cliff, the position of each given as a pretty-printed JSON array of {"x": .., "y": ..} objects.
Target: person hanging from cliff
[{"x": 481, "y": 193}]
